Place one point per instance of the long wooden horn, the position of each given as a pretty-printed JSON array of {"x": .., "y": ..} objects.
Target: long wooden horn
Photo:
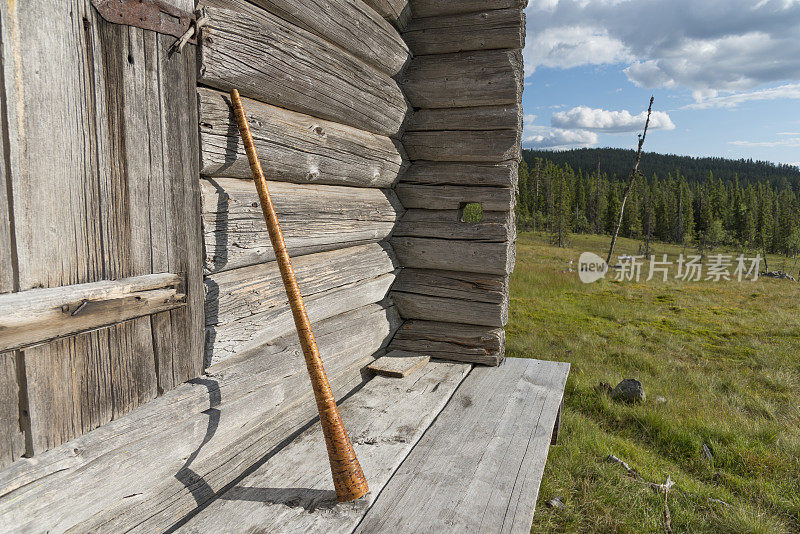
[{"x": 348, "y": 478}]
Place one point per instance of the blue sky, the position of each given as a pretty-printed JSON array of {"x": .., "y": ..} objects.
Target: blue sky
[{"x": 725, "y": 75}]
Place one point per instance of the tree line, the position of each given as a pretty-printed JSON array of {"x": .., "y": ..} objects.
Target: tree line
[
  {"x": 751, "y": 217},
  {"x": 616, "y": 162}
]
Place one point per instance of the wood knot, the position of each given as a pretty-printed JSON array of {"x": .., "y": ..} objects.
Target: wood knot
[{"x": 319, "y": 130}]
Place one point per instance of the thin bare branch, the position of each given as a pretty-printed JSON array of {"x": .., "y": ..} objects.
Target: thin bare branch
[{"x": 631, "y": 180}]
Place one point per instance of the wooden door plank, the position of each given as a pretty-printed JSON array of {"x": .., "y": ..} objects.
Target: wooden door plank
[
  {"x": 39, "y": 315},
  {"x": 86, "y": 160},
  {"x": 12, "y": 438},
  {"x": 179, "y": 119},
  {"x": 12, "y": 422}
]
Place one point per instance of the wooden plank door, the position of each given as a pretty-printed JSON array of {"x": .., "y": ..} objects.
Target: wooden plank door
[{"x": 100, "y": 180}]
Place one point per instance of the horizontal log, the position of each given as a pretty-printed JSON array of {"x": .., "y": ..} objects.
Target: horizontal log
[
  {"x": 436, "y": 8},
  {"x": 452, "y": 297},
  {"x": 314, "y": 218},
  {"x": 274, "y": 61},
  {"x": 485, "y": 30},
  {"x": 495, "y": 226},
  {"x": 475, "y": 287},
  {"x": 225, "y": 421},
  {"x": 294, "y": 147},
  {"x": 478, "y": 174},
  {"x": 426, "y": 307},
  {"x": 39, "y": 315},
  {"x": 397, "y": 12},
  {"x": 446, "y": 197},
  {"x": 506, "y": 117},
  {"x": 348, "y": 24},
  {"x": 247, "y": 307},
  {"x": 453, "y": 255},
  {"x": 450, "y": 341},
  {"x": 234, "y": 338},
  {"x": 243, "y": 293},
  {"x": 465, "y": 79},
  {"x": 478, "y": 146}
]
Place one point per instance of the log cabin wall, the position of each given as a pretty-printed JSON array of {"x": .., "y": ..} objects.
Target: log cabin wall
[
  {"x": 133, "y": 253},
  {"x": 463, "y": 141},
  {"x": 318, "y": 84}
]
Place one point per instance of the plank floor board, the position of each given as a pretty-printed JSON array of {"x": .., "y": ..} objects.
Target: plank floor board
[
  {"x": 292, "y": 492},
  {"x": 479, "y": 466}
]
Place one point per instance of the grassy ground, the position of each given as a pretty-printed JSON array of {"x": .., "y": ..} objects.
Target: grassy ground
[{"x": 725, "y": 356}]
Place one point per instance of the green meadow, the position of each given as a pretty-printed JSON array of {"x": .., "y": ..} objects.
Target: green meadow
[{"x": 723, "y": 356}]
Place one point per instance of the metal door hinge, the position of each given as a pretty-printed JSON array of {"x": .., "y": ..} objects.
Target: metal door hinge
[{"x": 153, "y": 15}]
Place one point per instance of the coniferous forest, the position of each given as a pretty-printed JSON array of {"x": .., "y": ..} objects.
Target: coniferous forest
[{"x": 702, "y": 203}]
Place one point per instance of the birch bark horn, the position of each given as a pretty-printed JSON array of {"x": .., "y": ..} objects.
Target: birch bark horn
[{"x": 348, "y": 477}]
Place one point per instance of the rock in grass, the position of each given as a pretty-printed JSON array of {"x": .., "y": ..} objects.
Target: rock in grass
[
  {"x": 556, "y": 503},
  {"x": 629, "y": 390},
  {"x": 661, "y": 400}
]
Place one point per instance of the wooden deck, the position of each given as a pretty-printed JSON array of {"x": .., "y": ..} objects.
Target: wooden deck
[{"x": 450, "y": 448}]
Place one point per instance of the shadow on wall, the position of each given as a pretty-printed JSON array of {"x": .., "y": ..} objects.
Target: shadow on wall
[{"x": 218, "y": 260}]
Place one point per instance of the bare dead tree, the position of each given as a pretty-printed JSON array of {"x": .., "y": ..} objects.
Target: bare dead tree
[{"x": 631, "y": 180}]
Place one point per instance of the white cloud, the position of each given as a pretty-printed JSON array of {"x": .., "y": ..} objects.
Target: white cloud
[
  {"x": 572, "y": 46},
  {"x": 558, "y": 139},
  {"x": 544, "y": 137},
  {"x": 791, "y": 142},
  {"x": 600, "y": 120},
  {"x": 708, "y": 46},
  {"x": 788, "y": 91}
]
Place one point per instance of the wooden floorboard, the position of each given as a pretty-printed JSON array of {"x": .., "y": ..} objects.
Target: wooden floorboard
[
  {"x": 292, "y": 492},
  {"x": 479, "y": 466}
]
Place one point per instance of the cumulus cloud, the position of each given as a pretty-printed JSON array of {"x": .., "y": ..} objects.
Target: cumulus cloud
[
  {"x": 601, "y": 120},
  {"x": 791, "y": 90},
  {"x": 558, "y": 139},
  {"x": 544, "y": 137},
  {"x": 572, "y": 46},
  {"x": 709, "y": 46}
]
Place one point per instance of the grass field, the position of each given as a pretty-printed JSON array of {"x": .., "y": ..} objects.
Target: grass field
[{"x": 725, "y": 356}]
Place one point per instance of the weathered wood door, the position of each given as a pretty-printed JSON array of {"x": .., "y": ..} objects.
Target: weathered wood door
[{"x": 98, "y": 181}]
